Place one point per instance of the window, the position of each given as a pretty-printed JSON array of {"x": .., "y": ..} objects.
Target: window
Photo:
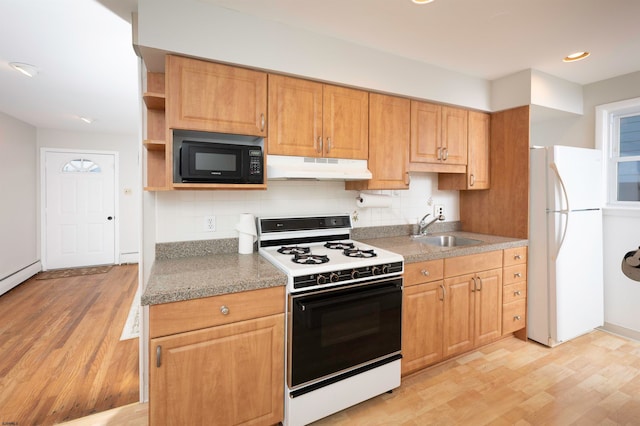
[
  {"x": 618, "y": 135},
  {"x": 626, "y": 157},
  {"x": 81, "y": 165}
]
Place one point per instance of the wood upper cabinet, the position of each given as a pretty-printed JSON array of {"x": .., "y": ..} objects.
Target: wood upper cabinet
[
  {"x": 438, "y": 138},
  {"x": 312, "y": 119},
  {"x": 212, "y": 97},
  {"x": 389, "y": 137},
  {"x": 231, "y": 372},
  {"x": 477, "y": 175}
]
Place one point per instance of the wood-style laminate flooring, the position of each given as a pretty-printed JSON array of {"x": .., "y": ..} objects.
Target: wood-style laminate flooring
[
  {"x": 592, "y": 380},
  {"x": 60, "y": 353}
]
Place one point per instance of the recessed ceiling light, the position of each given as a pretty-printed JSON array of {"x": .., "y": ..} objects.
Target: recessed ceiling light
[
  {"x": 25, "y": 69},
  {"x": 87, "y": 119},
  {"x": 576, "y": 56},
  {"x": 421, "y": 1}
]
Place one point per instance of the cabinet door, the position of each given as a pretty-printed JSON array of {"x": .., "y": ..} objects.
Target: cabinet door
[
  {"x": 224, "y": 375},
  {"x": 425, "y": 132},
  {"x": 478, "y": 161},
  {"x": 422, "y": 325},
  {"x": 458, "y": 314},
  {"x": 389, "y": 135},
  {"x": 488, "y": 306},
  {"x": 454, "y": 136},
  {"x": 345, "y": 122},
  {"x": 217, "y": 98},
  {"x": 295, "y": 117}
]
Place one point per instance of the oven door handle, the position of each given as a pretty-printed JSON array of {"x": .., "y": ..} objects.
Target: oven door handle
[{"x": 307, "y": 307}]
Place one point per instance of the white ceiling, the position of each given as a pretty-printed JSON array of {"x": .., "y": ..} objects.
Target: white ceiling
[{"x": 88, "y": 67}]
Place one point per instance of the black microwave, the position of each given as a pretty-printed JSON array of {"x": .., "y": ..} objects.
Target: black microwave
[{"x": 210, "y": 162}]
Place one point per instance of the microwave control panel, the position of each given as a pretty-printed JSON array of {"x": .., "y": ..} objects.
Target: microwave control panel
[{"x": 255, "y": 162}]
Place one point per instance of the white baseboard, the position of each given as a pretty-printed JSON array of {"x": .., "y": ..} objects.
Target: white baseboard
[
  {"x": 129, "y": 257},
  {"x": 19, "y": 277}
]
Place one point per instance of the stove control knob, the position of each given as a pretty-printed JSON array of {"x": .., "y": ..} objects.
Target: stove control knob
[
  {"x": 376, "y": 270},
  {"x": 334, "y": 278},
  {"x": 385, "y": 269},
  {"x": 355, "y": 274},
  {"x": 321, "y": 279}
]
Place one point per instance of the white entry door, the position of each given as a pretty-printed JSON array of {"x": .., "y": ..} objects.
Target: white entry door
[{"x": 79, "y": 209}]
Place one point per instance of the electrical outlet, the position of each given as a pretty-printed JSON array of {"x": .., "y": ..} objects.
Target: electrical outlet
[
  {"x": 438, "y": 210},
  {"x": 209, "y": 224}
]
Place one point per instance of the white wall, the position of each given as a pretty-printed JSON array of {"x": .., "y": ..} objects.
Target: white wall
[
  {"x": 128, "y": 148},
  {"x": 199, "y": 29},
  {"x": 19, "y": 243},
  {"x": 180, "y": 214}
]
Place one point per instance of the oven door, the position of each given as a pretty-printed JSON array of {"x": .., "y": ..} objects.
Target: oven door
[{"x": 336, "y": 330}]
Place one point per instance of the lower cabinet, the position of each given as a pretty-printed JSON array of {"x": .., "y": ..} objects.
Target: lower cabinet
[
  {"x": 226, "y": 374},
  {"x": 450, "y": 306}
]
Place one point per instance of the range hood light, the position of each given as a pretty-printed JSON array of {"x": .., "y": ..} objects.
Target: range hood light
[{"x": 311, "y": 168}]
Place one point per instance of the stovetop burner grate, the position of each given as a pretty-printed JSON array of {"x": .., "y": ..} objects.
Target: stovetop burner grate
[
  {"x": 294, "y": 250},
  {"x": 310, "y": 259},
  {"x": 339, "y": 245},
  {"x": 356, "y": 252}
]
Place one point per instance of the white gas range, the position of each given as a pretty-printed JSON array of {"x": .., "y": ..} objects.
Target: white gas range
[{"x": 344, "y": 314}]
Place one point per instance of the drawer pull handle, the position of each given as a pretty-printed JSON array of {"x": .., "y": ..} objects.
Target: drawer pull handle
[
  {"x": 517, "y": 293},
  {"x": 517, "y": 257},
  {"x": 444, "y": 292},
  {"x": 262, "y": 122},
  {"x": 425, "y": 272},
  {"x": 517, "y": 275},
  {"x": 516, "y": 318},
  {"x": 224, "y": 310}
]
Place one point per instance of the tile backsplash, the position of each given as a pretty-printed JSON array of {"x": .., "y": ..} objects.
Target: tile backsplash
[{"x": 180, "y": 215}]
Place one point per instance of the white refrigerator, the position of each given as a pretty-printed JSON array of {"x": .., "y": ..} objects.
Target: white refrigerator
[{"x": 565, "y": 272}]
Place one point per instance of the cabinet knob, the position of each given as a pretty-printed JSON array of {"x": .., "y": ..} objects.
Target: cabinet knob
[
  {"x": 517, "y": 257},
  {"x": 517, "y": 293},
  {"x": 516, "y": 318},
  {"x": 445, "y": 155},
  {"x": 224, "y": 310},
  {"x": 517, "y": 275},
  {"x": 425, "y": 272},
  {"x": 439, "y": 153}
]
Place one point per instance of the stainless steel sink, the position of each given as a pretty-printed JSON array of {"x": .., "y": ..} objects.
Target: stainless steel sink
[{"x": 445, "y": 240}]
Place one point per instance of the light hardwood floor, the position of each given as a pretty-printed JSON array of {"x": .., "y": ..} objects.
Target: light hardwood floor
[
  {"x": 592, "y": 380},
  {"x": 60, "y": 353}
]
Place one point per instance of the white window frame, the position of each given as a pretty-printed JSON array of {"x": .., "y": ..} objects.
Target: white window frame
[{"x": 607, "y": 140}]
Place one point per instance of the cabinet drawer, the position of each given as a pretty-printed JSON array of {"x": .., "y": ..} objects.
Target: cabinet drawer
[
  {"x": 177, "y": 317},
  {"x": 515, "y": 256},
  {"x": 513, "y": 292},
  {"x": 461, "y": 265},
  {"x": 515, "y": 273},
  {"x": 514, "y": 316},
  {"x": 423, "y": 272}
]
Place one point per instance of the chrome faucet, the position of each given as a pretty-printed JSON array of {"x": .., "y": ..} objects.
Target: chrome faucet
[{"x": 423, "y": 224}]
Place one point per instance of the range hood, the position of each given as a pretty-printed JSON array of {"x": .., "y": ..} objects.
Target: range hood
[{"x": 287, "y": 167}]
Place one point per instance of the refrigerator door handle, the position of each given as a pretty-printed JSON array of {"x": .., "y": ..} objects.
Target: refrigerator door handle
[
  {"x": 566, "y": 211},
  {"x": 553, "y": 167},
  {"x": 564, "y": 234}
]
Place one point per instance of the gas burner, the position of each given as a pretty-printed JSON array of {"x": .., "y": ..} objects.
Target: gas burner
[
  {"x": 310, "y": 259},
  {"x": 359, "y": 253},
  {"x": 294, "y": 250},
  {"x": 338, "y": 245}
]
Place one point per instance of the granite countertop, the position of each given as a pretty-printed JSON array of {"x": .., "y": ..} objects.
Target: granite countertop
[
  {"x": 209, "y": 269},
  {"x": 414, "y": 251},
  {"x": 186, "y": 278}
]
